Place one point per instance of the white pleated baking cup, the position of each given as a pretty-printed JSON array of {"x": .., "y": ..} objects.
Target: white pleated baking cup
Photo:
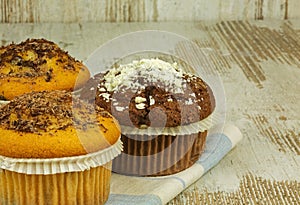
[
  {"x": 192, "y": 128},
  {"x": 63, "y": 164}
]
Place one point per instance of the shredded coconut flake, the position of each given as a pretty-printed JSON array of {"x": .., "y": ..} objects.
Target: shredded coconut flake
[
  {"x": 193, "y": 95},
  {"x": 139, "y": 99},
  {"x": 189, "y": 102},
  {"x": 120, "y": 109},
  {"x": 140, "y": 106},
  {"x": 102, "y": 89},
  {"x": 152, "y": 101},
  {"x": 139, "y": 74},
  {"x": 105, "y": 96}
]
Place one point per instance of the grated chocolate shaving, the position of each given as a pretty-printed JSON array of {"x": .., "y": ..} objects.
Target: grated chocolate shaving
[
  {"x": 49, "y": 111},
  {"x": 29, "y": 59}
]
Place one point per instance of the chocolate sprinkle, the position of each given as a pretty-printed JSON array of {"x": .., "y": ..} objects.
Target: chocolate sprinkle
[
  {"x": 30, "y": 59},
  {"x": 38, "y": 112}
]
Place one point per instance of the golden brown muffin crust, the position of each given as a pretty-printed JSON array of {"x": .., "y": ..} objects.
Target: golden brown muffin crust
[
  {"x": 37, "y": 65},
  {"x": 54, "y": 124}
]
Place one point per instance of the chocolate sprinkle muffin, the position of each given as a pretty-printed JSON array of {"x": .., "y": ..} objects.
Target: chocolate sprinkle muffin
[
  {"x": 153, "y": 95},
  {"x": 38, "y": 65},
  {"x": 56, "y": 149}
]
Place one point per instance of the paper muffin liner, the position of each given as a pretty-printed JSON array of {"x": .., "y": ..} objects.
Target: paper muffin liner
[
  {"x": 155, "y": 151},
  {"x": 195, "y": 127},
  {"x": 61, "y": 165},
  {"x": 89, "y": 187},
  {"x": 82, "y": 180},
  {"x": 159, "y": 156}
]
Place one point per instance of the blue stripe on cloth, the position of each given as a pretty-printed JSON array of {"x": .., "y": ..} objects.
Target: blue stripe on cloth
[
  {"x": 124, "y": 199},
  {"x": 217, "y": 146}
]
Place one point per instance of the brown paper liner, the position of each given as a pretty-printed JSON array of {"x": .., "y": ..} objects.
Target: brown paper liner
[
  {"x": 160, "y": 155},
  {"x": 89, "y": 187}
]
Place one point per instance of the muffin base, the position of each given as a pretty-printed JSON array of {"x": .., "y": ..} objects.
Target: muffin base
[
  {"x": 88, "y": 187},
  {"x": 158, "y": 155}
]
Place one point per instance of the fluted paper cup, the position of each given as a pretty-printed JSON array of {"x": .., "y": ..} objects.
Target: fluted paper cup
[{"x": 68, "y": 180}]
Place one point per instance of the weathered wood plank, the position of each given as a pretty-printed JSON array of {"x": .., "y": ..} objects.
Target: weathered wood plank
[
  {"x": 73, "y": 11},
  {"x": 252, "y": 190}
]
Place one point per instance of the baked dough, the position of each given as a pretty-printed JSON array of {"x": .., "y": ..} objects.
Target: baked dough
[
  {"x": 52, "y": 124},
  {"x": 38, "y": 65}
]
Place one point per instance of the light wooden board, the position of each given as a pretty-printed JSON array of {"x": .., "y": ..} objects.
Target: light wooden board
[
  {"x": 259, "y": 64},
  {"x": 67, "y": 11}
]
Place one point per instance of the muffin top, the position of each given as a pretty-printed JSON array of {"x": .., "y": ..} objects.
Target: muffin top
[
  {"x": 52, "y": 124},
  {"x": 37, "y": 65},
  {"x": 150, "y": 92}
]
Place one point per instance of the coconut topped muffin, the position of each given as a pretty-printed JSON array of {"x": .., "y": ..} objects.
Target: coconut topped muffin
[
  {"x": 38, "y": 65},
  {"x": 164, "y": 114},
  {"x": 151, "y": 92},
  {"x": 53, "y": 124}
]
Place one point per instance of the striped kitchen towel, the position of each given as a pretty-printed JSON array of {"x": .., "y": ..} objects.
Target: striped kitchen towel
[{"x": 128, "y": 190}]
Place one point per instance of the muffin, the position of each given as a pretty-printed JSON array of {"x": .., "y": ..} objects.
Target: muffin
[
  {"x": 164, "y": 115},
  {"x": 38, "y": 65},
  {"x": 56, "y": 149}
]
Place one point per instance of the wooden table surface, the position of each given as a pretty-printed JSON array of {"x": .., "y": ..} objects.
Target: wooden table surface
[{"x": 259, "y": 64}]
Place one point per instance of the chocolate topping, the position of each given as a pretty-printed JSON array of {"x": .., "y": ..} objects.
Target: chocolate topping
[
  {"x": 30, "y": 59},
  {"x": 49, "y": 111},
  {"x": 151, "y": 92}
]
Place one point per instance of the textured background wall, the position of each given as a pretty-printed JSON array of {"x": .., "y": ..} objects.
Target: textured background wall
[{"x": 20, "y": 11}]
